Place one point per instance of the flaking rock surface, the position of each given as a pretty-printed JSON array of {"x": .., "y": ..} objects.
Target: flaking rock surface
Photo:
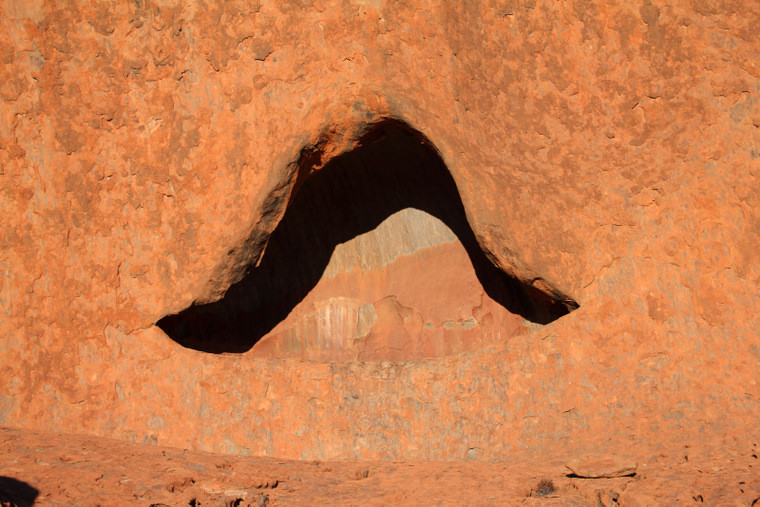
[{"x": 605, "y": 153}]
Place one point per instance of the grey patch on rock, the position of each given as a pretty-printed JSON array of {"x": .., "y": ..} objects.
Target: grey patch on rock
[
  {"x": 7, "y": 406},
  {"x": 402, "y": 233},
  {"x": 469, "y": 324},
  {"x": 532, "y": 326},
  {"x": 743, "y": 108},
  {"x": 366, "y": 318},
  {"x": 261, "y": 49},
  {"x": 755, "y": 351}
]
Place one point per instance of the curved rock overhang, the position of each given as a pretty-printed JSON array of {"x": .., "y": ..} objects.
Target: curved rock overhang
[{"x": 373, "y": 259}]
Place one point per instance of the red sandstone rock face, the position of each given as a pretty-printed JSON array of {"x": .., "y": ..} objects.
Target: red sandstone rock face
[
  {"x": 604, "y": 154},
  {"x": 373, "y": 260},
  {"x": 418, "y": 306},
  {"x": 366, "y": 319}
]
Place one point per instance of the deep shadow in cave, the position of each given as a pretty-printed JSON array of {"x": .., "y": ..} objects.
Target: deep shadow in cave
[{"x": 394, "y": 168}]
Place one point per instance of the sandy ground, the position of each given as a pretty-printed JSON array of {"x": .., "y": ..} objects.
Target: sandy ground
[{"x": 44, "y": 468}]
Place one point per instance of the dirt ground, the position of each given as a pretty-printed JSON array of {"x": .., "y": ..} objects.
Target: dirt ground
[{"x": 40, "y": 468}]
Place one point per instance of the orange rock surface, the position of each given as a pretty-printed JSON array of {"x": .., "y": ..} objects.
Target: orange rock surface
[
  {"x": 373, "y": 261},
  {"x": 603, "y": 156},
  {"x": 65, "y": 469}
]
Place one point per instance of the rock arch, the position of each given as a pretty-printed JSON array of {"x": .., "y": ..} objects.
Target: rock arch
[{"x": 373, "y": 259}]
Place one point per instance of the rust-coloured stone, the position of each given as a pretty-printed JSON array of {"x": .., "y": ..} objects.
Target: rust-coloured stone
[
  {"x": 373, "y": 260},
  {"x": 601, "y": 467},
  {"x": 605, "y": 154},
  {"x": 85, "y": 470}
]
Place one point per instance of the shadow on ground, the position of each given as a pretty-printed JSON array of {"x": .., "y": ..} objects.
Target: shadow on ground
[{"x": 16, "y": 493}]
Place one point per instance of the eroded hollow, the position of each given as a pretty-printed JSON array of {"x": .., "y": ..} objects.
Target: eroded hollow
[{"x": 373, "y": 260}]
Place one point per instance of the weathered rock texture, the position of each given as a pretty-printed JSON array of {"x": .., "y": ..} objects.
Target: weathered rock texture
[
  {"x": 84, "y": 470},
  {"x": 605, "y": 153},
  {"x": 363, "y": 266}
]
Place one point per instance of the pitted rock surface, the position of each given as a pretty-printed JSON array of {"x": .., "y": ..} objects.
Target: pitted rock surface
[{"x": 605, "y": 153}]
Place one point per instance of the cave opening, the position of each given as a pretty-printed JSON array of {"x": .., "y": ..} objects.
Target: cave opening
[{"x": 373, "y": 260}]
